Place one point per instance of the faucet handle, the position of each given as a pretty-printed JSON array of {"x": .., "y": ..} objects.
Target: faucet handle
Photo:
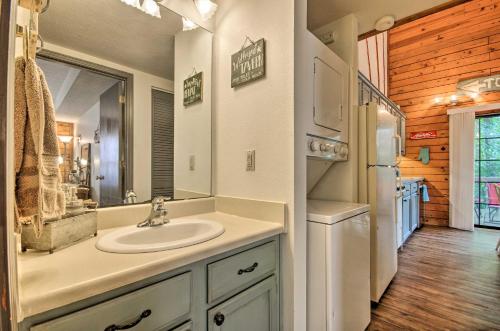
[{"x": 159, "y": 201}]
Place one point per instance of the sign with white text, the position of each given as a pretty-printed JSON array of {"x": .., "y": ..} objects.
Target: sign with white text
[
  {"x": 249, "y": 64},
  {"x": 423, "y": 135},
  {"x": 193, "y": 89},
  {"x": 480, "y": 84}
]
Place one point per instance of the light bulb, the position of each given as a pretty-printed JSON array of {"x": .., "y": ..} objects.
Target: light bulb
[
  {"x": 438, "y": 100},
  {"x": 150, "y": 7},
  {"x": 65, "y": 139},
  {"x": 206, "y": 8},
  {"x": 188, "y": 25},
  {"x": 133, "y": 3},
  {"x": 453, "y": 98}
]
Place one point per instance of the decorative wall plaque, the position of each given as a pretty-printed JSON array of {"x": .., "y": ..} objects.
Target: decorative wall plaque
[
  {"x": 423, "y": 135},
  {"x": 480, "y": 84},
  {"x": 193, "y": 89},
  {"x": 249, "y": 64}
]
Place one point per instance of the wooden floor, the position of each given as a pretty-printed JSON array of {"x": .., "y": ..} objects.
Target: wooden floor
[{"x": 447, "y": 280}]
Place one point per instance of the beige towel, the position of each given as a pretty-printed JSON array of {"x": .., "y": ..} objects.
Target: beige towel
[{"x": 38, "y": 182}]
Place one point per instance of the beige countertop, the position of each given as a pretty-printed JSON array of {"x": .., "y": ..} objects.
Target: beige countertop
[
  {"x": 412, "y": 179},
  {"x": 49, "y": 281}
]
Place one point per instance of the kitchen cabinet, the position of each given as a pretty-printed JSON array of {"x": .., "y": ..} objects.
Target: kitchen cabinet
[
  {"x": 410, "y": 208},
  {"x": 406, "y": 217},
  {"x": 235, "y": 290}
]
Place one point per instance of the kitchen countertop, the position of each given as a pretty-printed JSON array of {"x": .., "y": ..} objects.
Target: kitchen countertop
[
  {"x": 49, "y": 281},
  {"x": 412, "y": 179}
]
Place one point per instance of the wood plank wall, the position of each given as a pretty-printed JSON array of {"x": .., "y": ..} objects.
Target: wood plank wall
[{"x": 427, "y": 57}]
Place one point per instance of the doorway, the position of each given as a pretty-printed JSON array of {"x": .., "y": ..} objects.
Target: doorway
[{"x": 487, "y": 171}]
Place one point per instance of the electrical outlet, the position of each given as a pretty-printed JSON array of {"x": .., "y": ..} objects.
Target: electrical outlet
[
  {"x": 251, "y": 160},
  {"x": 192, "y": 161}
]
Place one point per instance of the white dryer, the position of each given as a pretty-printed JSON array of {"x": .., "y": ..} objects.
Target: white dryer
[{"x": 338, "y": 266}]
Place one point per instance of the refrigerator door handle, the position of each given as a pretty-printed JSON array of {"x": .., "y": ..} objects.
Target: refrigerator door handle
[{"x": 400, "y": 155}]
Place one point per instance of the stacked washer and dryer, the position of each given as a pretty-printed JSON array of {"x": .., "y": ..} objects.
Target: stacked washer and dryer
[{"x": 338, "y": 233}]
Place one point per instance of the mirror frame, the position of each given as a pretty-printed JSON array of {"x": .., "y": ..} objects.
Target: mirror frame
[{"x": 128, "y": 148}]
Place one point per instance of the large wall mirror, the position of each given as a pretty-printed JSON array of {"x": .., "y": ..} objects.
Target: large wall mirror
[{"x": 132, "y": 94}]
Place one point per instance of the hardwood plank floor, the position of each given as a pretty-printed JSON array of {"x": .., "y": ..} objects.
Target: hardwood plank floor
[{"x": 447, "y": 280}]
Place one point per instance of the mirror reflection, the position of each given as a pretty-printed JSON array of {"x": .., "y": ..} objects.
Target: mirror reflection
[{"x": 132, "y": 101}]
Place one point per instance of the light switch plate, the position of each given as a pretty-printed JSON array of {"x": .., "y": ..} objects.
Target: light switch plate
[
  {"x": 192, "y": 162},
  {"x": 251, "y": 160}
]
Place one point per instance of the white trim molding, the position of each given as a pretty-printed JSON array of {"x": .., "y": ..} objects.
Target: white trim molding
[{"x": 474, "y": 109}]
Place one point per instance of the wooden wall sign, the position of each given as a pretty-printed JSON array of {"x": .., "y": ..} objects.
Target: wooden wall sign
[
  {"x": 249, "y": 64},
  {"x": 423, "y": 135},
  {"x": 480, "y": 84},
  {"x": 193, "y": 89}
]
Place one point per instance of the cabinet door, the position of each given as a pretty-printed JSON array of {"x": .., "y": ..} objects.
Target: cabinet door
[
  {"x": 251, "y": 310},
  {"x": 414, "y": 212},
  {"x": 406, "y": 218}
]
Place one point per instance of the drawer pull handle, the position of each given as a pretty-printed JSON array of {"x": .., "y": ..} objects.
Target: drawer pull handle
[
  {"x": 219, "y": 319},
  {"x": 249, "y": 269},
  {"x": 115, "y": 327}
]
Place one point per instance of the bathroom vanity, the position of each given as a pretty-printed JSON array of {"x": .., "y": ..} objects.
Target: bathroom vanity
[{"x": 228, "y": 282}]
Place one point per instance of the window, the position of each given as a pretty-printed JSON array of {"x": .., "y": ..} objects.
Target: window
[{"x": 487, "y": 171}]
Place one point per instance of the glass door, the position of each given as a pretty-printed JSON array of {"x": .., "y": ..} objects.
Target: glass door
[{"x": 487, "y": 172}]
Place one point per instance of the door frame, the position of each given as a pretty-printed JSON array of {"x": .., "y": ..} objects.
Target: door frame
[
  {"x": 128, "y": 78},
  {"x": 8, "y": 272}
]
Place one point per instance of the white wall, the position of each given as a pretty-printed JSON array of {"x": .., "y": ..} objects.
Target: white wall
[
  {"x": 143, "y": 82},
  {"x": 193, "y": 123},
  {"x": 259, "y": 116}
]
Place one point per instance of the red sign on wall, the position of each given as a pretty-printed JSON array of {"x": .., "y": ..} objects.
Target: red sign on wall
[{"x": 423, "y": 135}]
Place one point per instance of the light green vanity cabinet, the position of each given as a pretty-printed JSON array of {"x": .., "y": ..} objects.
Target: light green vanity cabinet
[
  {"x": 237, "y": 290},
  {"x": 253, "y": 309}
]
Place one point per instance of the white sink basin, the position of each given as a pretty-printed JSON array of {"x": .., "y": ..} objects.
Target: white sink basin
[{"x": 175, "y": 234}]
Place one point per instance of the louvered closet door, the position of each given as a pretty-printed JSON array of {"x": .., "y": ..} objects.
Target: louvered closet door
[{"x": 162, "y": 144}]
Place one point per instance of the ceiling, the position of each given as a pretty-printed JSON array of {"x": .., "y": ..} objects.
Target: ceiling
[
  {"x": 74, "y": 90},
  {"x": 111, "y": 30},
  {"x": 321, "y": 12}
]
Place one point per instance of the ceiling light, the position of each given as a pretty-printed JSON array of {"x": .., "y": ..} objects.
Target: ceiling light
[
  {"x": 133, "y": 3},
  {"x": 188, "y": 25},
  {"x": 384, "y": 23},
  {"x": 150, "y": 7},
  {"x": 206, "y": 8}
]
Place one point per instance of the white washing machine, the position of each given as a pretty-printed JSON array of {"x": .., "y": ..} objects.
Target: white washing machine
[{"x": 338, "y": 266}]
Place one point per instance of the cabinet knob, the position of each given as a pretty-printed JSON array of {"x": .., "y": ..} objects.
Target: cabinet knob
[{"x": 219, "y": 319}]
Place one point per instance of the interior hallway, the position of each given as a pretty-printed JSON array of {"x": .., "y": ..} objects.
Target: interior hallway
[{"x": 447, "y": 280}]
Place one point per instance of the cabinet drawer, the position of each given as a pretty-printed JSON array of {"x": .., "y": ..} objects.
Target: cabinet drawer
[
  {"x": 188, "y": 326},
  {"x": 153, "y": 307},
  {"x": 233, "y": 273}
]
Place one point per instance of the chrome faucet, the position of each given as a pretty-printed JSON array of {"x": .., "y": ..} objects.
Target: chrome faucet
[
  {"x": 130, "y": 197},
  {"x": 158, "y": 214}
]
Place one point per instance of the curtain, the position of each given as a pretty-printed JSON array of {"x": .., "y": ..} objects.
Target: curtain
[{"x": 462, "y": 170}]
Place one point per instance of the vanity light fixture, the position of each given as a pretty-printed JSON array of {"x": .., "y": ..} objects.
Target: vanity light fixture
[
  {"x": 188, "y": 25},
  {"x": 453, "y": 99},
  {"x": 65, "y": 139},
  {"x": 206, "y": 8},
  {"x": 151, "y": 7},
  {"x": 133, "y": 3}
]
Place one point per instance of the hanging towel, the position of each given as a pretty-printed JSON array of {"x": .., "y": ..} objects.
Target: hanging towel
[
  {"x": 425, "y": 193},
  {"x": 38, "y": 182},
  {"x": 424, "y": 155}
]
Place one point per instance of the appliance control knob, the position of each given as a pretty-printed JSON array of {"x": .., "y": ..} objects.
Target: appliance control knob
[
  {"x": 336, "y": 149},
  {"x": 343, "y": 151},
  {"x": 324, "y": 147},
  {"x": 314, "y": 146}
]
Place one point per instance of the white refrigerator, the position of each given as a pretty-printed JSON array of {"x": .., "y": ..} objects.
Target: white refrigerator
[{"x": 379, "y": 149}]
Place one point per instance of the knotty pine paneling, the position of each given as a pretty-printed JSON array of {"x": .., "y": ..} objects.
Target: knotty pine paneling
[{"x": 427, "y": 57}]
